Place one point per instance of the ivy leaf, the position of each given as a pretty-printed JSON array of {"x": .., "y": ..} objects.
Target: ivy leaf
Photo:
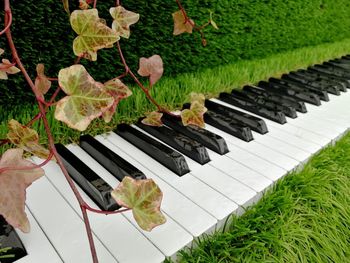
[
  {"x": 180, "y": 23},
  {"x": 41, "y": 81},
  {"x": 6, "y": 67},
  {"x": 1, "y": 51},
  {"x": 144, "y": 198},
  {"x": 197, "y": 97},
  {"x": 119, "y": 91},
  {"x": 83, "y": 5},
  {"x": 123, "y": 19},
  {"x": 153, "y": 119},
  {"x": 92, "y": 34},
  {"x": 66, "y": 6},
  {"x": 212, "y": 22},
  {"x": 194, "y": 115},
  {"x": 86, "y": 98},
  {"x": 152, "y": 67},
  {"x": 26, "y": 139},
  {"x": 13, "y": 188}
]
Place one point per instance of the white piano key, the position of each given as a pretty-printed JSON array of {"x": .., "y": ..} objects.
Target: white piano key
[
  {"x": 61, "y": 224},
  {"x": 182, "y": 210},
  {"x": 116, "y": 233},
  {"x": 38, "y": 247},
  {"x": 168, "y": 238},
  {"x": 206, "y": 197}
]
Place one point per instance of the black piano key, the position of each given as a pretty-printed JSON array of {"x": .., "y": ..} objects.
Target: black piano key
[
  {"x": 205, "y": 137},
  {"x": 289, "y": 84},
  {"x": 160, "y": 152},
  {"x": 338, "y": 66},
  {"x": 299, "y": 95},
  {"x": 9, "y": 239},
  {"x": 314, "y": 82},
  {"x": 252, "y": 106},
  {"x": 180, "y": 142},
  {"x": 285, "y": 100},
  {"x": 331, "y": 70},
  {"x": 244, "y": 119},
  {"x": 266, "y": 102},
  {"x": 93, "y": 185},
  {"x": 109, "y": 159},
  {"x": 342, "y": 83}
]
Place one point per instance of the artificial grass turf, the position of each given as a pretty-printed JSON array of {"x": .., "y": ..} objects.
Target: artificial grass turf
[
  {"x": 173, "y": 92},
  {"x": 304, "y": 218}
]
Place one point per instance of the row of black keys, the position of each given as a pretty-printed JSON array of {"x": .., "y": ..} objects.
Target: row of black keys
[{"x": 274, "y": 100}]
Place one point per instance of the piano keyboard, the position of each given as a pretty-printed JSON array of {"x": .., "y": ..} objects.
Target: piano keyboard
[{"x": 201, "y": 198}]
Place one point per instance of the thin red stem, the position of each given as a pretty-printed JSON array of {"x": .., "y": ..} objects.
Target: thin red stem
[
  {"x": 89, "y": 208},
  {"x": 9, "y": 23},
  {"x": 4, "y": 141},
  {"x": 95, "y": 3},
  {"x": 49, "y": 135}
]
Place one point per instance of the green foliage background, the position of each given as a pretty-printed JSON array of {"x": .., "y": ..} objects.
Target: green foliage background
[{"x": 248, "y": 29}]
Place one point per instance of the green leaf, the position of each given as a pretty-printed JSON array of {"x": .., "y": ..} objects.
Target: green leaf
[
  {"x": 92, "y": 34},
  {"x": 194, "y": 115},
  {"x": 86, "y": 100},
  {"x": 123, "y": 19},
  {"x": 212, "y": 22},
  {"x": 144, "y": 198},
  {"x": 153, "y": 119},
  {"x": 26, "y": 139}
]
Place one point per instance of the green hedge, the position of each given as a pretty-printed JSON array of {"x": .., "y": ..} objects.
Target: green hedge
[{"x": 248, "y": 29}]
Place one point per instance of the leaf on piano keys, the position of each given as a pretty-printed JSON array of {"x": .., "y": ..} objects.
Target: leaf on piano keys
[
  {"x": 144, "y": 198},
  {"x": 194, "y": 115},
  {"x": 153, "y": 119},
  {"x": 152, "y": 67},
  {"x": 181, "y": 25},
  {"x": 26, "y": 139},
  {"x": 13, "y": 184},
  {"x": 119, "y": 91},
  {"x": 86, "y": 100}
]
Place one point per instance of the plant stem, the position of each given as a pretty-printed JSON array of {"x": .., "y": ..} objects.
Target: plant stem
[{"x": 49, "y": 135}]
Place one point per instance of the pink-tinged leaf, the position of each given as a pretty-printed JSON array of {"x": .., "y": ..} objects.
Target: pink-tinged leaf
[
  {"x": 86, "y": 100},
  {"x": 41, "y": 81},
  {"x": 194, "y": 115},
  {"x": 6, "y": 67},
  {"x": 13, "y": 185},
  {"x": 153, "y": 119},
  {"x": 119, "y": 91},
  {"x": 144, "y": 198},
  {"x": 152, "y": 67},
  {"x": 26, "y": 139},
  {"x": 92, "y": 34},
  {"x": 123, "y": 19},
  {"x": 83, "y": 5},
  {"x": 66, "y": 6},
  {"x": 180, "y": 23}
]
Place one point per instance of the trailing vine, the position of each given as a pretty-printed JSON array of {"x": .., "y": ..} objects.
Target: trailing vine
[{"x": 85, "y": 100}]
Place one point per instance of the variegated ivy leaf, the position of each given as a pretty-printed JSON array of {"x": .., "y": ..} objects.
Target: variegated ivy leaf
[
  {"x": 144, "y": 198},
  {"x": 152, "y": 67},
  {"x": 123, "y": 19},
  {"x": 197, "y": 97},
  {"x": 83, "y": 5},
  {"x": 6, "y": 67},
  {"x": 92, "y": 34},
  {"x": 1, "y": 51},
  {"x": 26, "y": 139},
  {"x": 13, "y": 188},
  {"x": 41, "y": 81},
  {"x": 153, "y": 119},
  {"x": 119, "y": 91},
  {"x": 180, "y": 23},
  {"x": 86, "y": 100},
  {"x": 194, "y": 115}
]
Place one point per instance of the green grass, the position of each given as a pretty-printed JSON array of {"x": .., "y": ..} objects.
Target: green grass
[
  {"x": 173, "y": 92},
  {"x": 305, "y": 218}
]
